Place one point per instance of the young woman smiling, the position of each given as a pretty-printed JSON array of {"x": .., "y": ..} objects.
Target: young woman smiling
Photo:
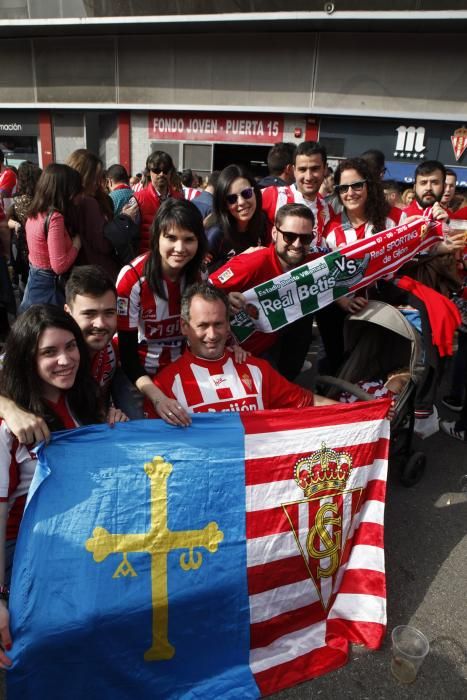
[
  {"x": 46, "y": 372},
  {"x": 237, "y": 222},
  {"x": 148, "y": 305}
]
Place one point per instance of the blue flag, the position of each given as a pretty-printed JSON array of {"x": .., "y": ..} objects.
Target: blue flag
[{"x": 130, "y": 568}]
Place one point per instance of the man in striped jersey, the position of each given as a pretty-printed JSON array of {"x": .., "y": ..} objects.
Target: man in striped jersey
[
  {"x": 309, "y": 171},
  {"x": 207, "y": 378}
]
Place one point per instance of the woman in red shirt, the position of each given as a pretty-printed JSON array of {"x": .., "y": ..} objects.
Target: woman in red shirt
[
  {"x": 52, "y": 246},
  {"x": 46, "y": 371}
]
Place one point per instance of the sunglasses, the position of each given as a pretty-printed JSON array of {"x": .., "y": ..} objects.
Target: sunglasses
[
  {"x": 290, "y": 237},
  {"x": 244, "y": 194},
  {"x": 158, "y": 171},
  {"x": 354, "y": 186}
]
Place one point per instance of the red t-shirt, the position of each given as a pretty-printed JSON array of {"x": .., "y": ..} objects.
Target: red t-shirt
[
  {"x": 206, "y": 386},
  {"x": 243, "y": 272}
]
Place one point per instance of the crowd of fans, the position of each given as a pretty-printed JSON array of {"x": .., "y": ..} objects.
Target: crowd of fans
[{"x": 124, "y": 286}]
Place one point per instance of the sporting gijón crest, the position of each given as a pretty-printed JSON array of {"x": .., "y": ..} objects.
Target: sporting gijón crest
[{"x": 322, "y": 522}]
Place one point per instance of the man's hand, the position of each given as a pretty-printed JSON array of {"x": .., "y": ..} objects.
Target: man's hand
[
  {"x": 240, "y": 354},
  {"x": 27, "y": 427},
  {"x": 171, "y": 412},
  {"x": 237, "y": 302},
  {"x": 438, "y": 212}
]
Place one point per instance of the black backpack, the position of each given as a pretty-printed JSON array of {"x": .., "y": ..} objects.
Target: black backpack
[{"x": 123, "y": 233}]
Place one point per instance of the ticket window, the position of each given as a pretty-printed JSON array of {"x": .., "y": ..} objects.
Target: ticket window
[
  {"x": 254, "y": 158},
  {"x": 16, "y": 149},
  {"x": 198, "y": 157}
]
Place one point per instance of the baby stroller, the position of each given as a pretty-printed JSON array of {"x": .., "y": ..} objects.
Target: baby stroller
[{"x": 377, "y": 341}]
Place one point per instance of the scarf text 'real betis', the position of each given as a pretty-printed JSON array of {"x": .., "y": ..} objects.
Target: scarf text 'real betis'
[
  {"x": 310, "y": 287},
  {"x": 231, "y": 560}
]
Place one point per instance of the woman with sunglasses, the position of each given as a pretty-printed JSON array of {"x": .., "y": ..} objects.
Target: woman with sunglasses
[
  {"x": 237, "y": 222},
  {"x": 148, "y": 306},
  {"x": 46, "y": 371},
  {"x": 161, "y": 185},
  {"x": 365, "y": 209}
]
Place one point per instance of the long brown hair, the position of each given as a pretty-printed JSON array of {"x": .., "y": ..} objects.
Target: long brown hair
[{"x": 91, "y": 169}]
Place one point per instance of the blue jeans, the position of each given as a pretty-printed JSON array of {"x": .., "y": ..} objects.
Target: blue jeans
[{"x": 43, "y": 287}]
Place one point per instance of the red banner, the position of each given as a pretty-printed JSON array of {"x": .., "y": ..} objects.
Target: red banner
[{"x": 233, "y": 128}]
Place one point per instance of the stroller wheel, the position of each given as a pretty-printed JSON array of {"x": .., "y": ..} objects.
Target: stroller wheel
[{"x": 414, "y": 469}]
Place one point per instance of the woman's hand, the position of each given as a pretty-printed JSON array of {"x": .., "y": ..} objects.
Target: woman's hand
[
  {"x": 27, "y": 427},
  {"x": 237, "y": 302},
  {"x": 115, "y": 415},
  {"x": 240, "y": 354},
  {"x": 131, "y": 210},
  {"x": 5, "y": 637},
  {"x": 76, "y": 242}
]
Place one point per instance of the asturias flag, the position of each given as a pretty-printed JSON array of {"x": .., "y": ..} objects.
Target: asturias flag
[{"x": 231, "y": 559}]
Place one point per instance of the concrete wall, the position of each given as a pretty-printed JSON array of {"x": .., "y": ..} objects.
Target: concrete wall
[{"x": 328, "y": 73}]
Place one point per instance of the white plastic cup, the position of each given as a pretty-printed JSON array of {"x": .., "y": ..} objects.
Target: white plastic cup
[{"x": 409, "y": 648}]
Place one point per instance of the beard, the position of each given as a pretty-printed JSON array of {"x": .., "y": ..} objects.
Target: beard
[{"x": 424, "y": 203}]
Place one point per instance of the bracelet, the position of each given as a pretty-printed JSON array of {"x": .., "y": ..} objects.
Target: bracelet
[{"x": 4, "y": 593}]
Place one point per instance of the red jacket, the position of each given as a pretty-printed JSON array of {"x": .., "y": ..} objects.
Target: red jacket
[{"x": 149, "y": 202}]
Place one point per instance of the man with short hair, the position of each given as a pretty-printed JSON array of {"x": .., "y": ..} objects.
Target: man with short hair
[
  {"x": 207, "y": 378},
  {"x": 292, "y": 235},
  {"x": 205, "y": 201},
  {"x": 309, "y": 169},
  {"x": 393, "y": 195},
  {"x": 189, "y": 184},
  {"x": 159, "y": 188},
  {"x": 119, "y": 185},
  {"x": 280, "y": 165}
]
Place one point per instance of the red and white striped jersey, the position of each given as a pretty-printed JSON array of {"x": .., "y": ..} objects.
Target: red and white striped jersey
[
  {"x": 17, "y": 465},
  {"x": 104, "y": 364},
  {"x": 275, "y": 197},
  {"x": 191, "y": 192},
  {"x": 156, "y": 320},
  {"x": 224, "y": 385},
  {"x": 340, "y": 232}
]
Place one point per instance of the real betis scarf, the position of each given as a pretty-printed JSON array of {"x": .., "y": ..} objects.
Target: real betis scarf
[{"x": 312, "y": 286}]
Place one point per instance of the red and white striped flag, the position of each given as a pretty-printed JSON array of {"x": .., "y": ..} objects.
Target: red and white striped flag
[{"x": 316, "y": 484}]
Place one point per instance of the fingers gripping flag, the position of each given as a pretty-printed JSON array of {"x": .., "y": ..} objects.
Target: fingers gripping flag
[{"x": 232, "y": 559}]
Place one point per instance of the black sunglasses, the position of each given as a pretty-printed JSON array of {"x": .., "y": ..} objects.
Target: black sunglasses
[
  {"x": 355, "y": 186},
  {"x": 158, "y": 171},
  {"x": 244, "y": 194},
  {"x": 290, "y": 237}
]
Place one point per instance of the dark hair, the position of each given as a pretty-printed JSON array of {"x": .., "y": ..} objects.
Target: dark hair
[
  {"x": 299, "y": 210},
  {"x": 88, "y": 280},
  {"x": 28, "y": 176},
  {"x": 213, "y": 179},
  {"x": 376, "y": 206},
  {"x": 280, "y": 156},
  {"x": 375, "y": 160},
  {"x": 391, "y": 186},
  {"x": 182, "y": 214},
  {"x": 311, "y": 148},
  {"x": 118, "y": 173},
  {"x": 55, "y": 189},
  {"x": 205, "y": 290},
  {"x": 221, "y": 212},
  {"x": 2, "y": 156},
  {"x": 159, "y": 158},
  {"x": 428, "y": 167},
  {"x": 20, "y": 382},
  {"x": 91, "y": 169},
  {"x": 451, "y": 172},
  {"x": 187, "y": 177}
]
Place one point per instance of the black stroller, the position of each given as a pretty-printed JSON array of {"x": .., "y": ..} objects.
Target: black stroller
[{"x": 377, "y": 341}]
